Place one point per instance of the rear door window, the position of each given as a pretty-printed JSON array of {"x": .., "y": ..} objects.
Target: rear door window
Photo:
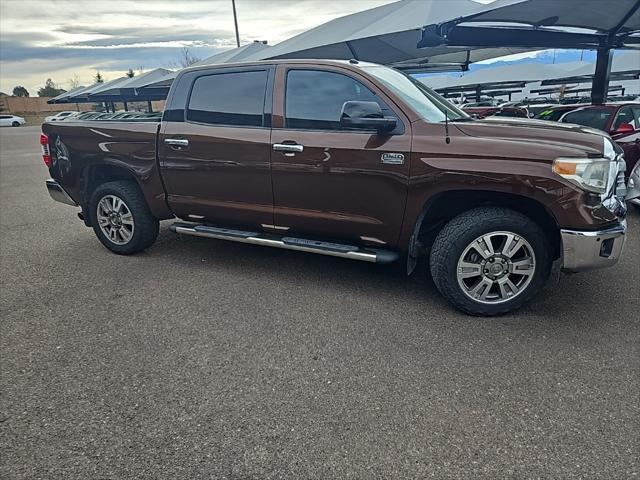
[
  {"x": 233, "y": 98},
  {"x": 314, "y": 98}
]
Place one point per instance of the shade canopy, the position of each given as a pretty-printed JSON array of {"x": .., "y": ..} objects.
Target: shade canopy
[
  {"x": 581, "y": 24},
  {"x": 389, "y": 35},
  {"x": 542, "y": 24},
  {"x": 239, "y": 54},
  {"x": 514, "y": 73},
  {"x": 127, "y": 88},
  {"x": 63, "y": 96},
  {"x": 625, "y": 66},
  {"x": 236, "y": 54}
]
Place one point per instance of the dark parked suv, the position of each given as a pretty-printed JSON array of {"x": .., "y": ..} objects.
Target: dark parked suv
[{"x": 353, "y": 160}]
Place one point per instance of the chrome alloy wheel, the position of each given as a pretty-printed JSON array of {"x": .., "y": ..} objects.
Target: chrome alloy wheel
[
  {"x": 496, "y": 267},
  {"x": 115, "y": 219}
]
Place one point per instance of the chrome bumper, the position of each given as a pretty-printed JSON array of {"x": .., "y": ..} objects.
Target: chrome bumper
[
  {"x": 588, "y": 250},
  {"x": 58, "y": 193}
]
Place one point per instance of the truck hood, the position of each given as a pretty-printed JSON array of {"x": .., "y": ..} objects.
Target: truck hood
[{"x": 556, "y": 139}]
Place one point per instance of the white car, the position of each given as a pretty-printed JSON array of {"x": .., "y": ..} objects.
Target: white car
[
  {"x": 59, "y": 116},
  {"x": 11, "y": 121}
]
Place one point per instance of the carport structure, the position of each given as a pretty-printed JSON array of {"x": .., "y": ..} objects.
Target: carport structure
[
  {"x": 129, "y": 89},
  {"x": 389, "y": 35},
  {"x": 123, "y": 89},
  {"x": 572, "y": 76},
  {"x": 160, "y": 85},
  {"x": 539, "y": 24}
]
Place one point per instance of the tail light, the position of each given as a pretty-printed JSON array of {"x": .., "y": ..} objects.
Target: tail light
[{"x": 46, "y": 153}]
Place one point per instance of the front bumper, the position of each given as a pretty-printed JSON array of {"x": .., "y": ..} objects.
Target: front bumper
[
  {"x": 58, "y": 193},
  {"x": 584, "y": 250}
]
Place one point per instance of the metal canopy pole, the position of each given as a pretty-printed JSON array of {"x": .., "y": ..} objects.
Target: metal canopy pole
[
  {"x": 600, "y": 86},
  {"x": 150, "y": 106},
  {"x": 235, "y": 21},
  {"x": 478, "y": 93}
]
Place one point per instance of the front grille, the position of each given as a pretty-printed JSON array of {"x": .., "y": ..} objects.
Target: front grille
[{"x": 620, "y": 188}]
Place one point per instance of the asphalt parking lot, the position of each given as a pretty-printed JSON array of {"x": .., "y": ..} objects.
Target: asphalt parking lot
[{"x": 208, "y": 359}]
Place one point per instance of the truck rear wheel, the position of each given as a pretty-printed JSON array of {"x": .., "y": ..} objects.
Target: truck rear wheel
[
  {"x": 490, "y": 261},
  {"x": 121, "y": 218}
]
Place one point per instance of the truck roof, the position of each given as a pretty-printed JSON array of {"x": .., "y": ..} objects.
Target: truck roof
[{"x": 349, "y": 63}]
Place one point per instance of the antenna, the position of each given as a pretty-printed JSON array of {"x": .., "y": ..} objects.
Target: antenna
[{"x": 447, "y": 139}]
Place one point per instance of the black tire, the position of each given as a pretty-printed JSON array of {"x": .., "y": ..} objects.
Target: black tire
[
  {"x": 15, "y": 124},
  {"x": 457, "y": 236},
  {"x": 144, "y": 225}
]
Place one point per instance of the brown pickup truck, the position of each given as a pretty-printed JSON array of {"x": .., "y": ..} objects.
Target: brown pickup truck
[{"x": 353, "y": 160}]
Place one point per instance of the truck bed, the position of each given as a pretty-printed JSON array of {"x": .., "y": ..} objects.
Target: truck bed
[{"x": 86, "y": 150}]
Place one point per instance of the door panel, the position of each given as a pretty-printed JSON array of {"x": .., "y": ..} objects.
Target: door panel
[
  {"x": 215, "y": 151},
  {"x": 223, "y": 175},
  {"x": 338, "y": 186}
]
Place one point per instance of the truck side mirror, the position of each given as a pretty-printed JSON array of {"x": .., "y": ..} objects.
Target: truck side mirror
[{"x": 365, "y": 116}]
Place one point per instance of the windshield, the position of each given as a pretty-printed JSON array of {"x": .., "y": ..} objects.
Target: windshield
[
  {"x": 589, "y": 117},
  {"x": 427, "y": 103}
]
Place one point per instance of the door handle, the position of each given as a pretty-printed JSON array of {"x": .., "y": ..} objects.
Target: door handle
[
  {"x": 289, "y": 149},
  {"x": 177, "y": 142}
]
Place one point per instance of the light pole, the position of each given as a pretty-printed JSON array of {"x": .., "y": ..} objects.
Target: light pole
[{"x": 235, "y": 21}]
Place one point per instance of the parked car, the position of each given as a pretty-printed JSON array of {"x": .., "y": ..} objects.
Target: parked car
[
  {"x": 553, "y": 113},
  {"x": 60, "y": 116},
  {"x": 499, "y": 111},
  {"x": 11, "y": 121},
  {"x": 352, "y": 160}
]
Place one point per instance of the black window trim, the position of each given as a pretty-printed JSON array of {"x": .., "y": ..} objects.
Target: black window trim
[
  {"x": 399, "y": 130},
  {"x": 267, "y": 106}
]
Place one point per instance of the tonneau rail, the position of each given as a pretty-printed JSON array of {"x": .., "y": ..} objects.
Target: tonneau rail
[{"x": 116, "y": 117}]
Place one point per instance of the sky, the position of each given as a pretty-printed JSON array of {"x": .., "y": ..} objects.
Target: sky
[
  {"x": 70, "y": 40},
  {"x": 63, "y": 39}
]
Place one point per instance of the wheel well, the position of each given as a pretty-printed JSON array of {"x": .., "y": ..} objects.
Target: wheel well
[
  {"x": 96, "y": 175},
  {"x": 447, "y": 205}
]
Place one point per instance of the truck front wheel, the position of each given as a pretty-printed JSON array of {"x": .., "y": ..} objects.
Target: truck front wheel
[
  {"x": 121, "y": 218},
  {"x": 489, "y": 261}
]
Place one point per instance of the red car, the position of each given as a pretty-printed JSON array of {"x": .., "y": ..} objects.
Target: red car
[{"x": 620, "y": 120}]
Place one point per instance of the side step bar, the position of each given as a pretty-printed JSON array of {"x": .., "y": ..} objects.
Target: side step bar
[{"x": 373, "y": 255}]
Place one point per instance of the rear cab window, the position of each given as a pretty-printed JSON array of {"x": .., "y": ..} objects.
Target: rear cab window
[{"x": 229, "y": 98}]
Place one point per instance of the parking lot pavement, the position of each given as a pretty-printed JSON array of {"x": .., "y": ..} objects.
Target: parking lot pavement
[{"x": 207, "y": 359}]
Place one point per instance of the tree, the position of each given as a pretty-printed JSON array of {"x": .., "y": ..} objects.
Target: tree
[
  {"x": 98, "y": 78},
  {"x": 74, "y": 82},
  {"x": 50, "y": 89},
  {"x": 185, "y": 60},
  {"x": 130, "y": 73},
  {"x": 20, "y": 91}
]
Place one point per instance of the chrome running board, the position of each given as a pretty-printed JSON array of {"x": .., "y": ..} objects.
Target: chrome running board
[{"x": 373, "y": 255}]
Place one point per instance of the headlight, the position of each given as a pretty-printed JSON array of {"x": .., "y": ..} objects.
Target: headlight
[{"x": 591, "y": 174}]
